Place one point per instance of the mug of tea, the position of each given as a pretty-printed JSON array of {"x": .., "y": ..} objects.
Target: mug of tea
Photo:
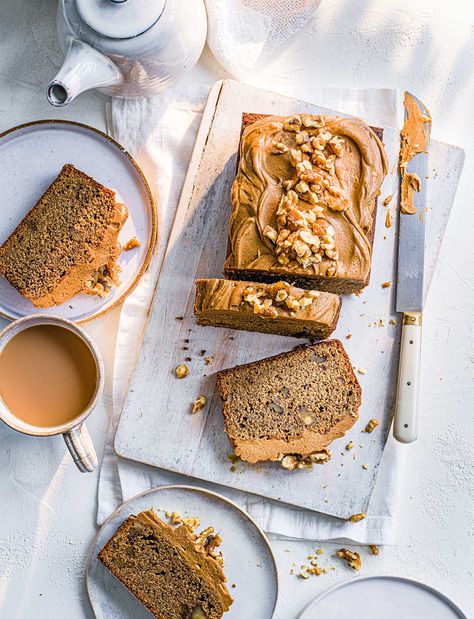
[{"x": 51, "y": 377}]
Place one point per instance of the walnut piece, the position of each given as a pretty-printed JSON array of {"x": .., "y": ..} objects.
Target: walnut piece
[
  {"x": 131, "y": 244},
  {"x": 298, "y": 461},
  {"x": 199, "y": 403},
  {"x": 352, "y": 558},
  {"x": 370, "y": 427},
  {"x": 357, "y": 517},
  {"x": 181, "y": 371}
]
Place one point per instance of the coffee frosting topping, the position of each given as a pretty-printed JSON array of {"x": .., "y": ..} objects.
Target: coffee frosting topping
[{"x": 304, "y": 196}]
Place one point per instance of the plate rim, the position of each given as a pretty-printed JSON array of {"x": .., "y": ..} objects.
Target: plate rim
[
  {"x": 151, "y": 201},
  {"x": 199, "y": 490},
  {"x": 396, "y": 577}
]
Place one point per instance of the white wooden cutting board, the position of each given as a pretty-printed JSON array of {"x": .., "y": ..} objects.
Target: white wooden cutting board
[{"x": 157, "y": 427}]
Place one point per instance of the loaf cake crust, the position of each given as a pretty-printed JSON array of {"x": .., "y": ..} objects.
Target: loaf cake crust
[
  {"x": 293, "y": 403},
  {"x": 165, "y": 569},
  {"x": 67, "y": 243},
  {"x": 277, "y": 308},
  {"x": 278, "y": 184}
]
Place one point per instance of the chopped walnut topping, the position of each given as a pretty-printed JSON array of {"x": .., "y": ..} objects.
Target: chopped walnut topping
[
  {"x": 357, "y": 517},
  {"x": 374, "y": 549},
  {"x": 191, "y": 523},
  {"x": 370, "y": 427},
  {"x": 199, "y": 403},
  {"x": 353, "y": 558},
  {"x": 386, "y": 284},
  {"x": 181, "y": 371},
  {"x": 278, "y": 148},
  {"x": 298, "y": 461},
  {"x": 131, "y": 244}
]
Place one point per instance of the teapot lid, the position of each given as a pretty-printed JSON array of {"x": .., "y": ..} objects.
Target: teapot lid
[{"x": 120, "y": 19}]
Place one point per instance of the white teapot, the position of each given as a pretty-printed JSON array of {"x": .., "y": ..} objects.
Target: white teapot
[{"x": 126, "y": 48}]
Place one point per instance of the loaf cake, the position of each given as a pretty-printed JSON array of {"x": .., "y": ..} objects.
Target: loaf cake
[
  {"x": 269, "y": 308},
  {"x": 170, "y": 570},
  {"x": 294, "y": 403},
  {"x": 304, "y": 201},
  {"x": 67, "y": 243}
]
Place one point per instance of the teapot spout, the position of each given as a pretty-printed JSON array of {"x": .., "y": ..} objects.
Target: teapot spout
[{"x": 84, "y": 68}]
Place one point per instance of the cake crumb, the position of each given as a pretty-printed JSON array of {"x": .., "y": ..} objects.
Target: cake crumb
[
  {"x": 365, "y": 467},
  {"x": 349, "y": 445},
  {"x": 362, "y": 370},
  {"x": 374, "y": 549},
  {"x": 199, "y": 403},
  {"x": 370, "y": 427},
  {"x": 131, "y": 244},
  {"x": 388, "y": 219},
  {"x": 348, "y": 336},
  {"x": 357, "y": 517},
  {"x": 386, "y": 284},
  {"x": 209, "y": 360},
  {"x": 181, "y": 371},
  {"x": 388, "y": 199},
  {"x": 392, "y": 321},
  {"x": 319, "y": 551}
]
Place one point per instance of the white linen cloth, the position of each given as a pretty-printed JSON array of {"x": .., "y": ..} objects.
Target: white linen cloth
[
  {"x": 160, "y": 133},
  {"x": 244, "y": 32}
]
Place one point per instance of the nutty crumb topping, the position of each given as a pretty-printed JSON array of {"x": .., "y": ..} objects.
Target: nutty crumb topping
[
  {"x": 278, "y": 297},
  {"x": 302, "y": 233},
  {"x": 353, "y": 558}
]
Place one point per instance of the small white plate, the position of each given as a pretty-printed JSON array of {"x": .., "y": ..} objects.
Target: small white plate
[
  {"x": 387, "y": 597},
  {"x": 249, "y": 562},
  {"x": 31, "y": 156}
]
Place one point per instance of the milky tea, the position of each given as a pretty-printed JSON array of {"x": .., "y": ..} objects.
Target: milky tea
[{"x": 48, "y": 375}]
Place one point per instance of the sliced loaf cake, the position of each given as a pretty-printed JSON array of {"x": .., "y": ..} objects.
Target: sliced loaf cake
[
  {"x": 269, "y": 308},
  {"x": 170, "y": 570},
  {"x": 67, "y": 243},
  {"x": 294, "y": 403}
]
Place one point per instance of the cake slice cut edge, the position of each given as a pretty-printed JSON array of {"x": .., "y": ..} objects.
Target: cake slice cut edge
[
  {"x": 67, "y": 243},
  {"x": 168, "y": 569},
  {"x": 294, "y": 403},
  {"x": 277, "y": 308}
]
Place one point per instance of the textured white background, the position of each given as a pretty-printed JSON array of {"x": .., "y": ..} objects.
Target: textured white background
[{"x": 48, "y": 509}]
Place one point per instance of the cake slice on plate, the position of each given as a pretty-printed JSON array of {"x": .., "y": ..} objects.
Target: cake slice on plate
[
  {"x": 268, "y": 308},
  {"x": 173, "y": 572},
  {"x": 67, "y": 243},
  {"x": 291, "y": 406},
  {"x": 304, "y": 201}
]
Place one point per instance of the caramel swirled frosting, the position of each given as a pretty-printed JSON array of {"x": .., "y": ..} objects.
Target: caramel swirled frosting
[
  {"x": 271, "y": 308},
  {"x": 303, "y": 200}
]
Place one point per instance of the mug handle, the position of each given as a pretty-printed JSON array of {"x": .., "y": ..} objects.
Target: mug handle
[{"x": 82, "y": 450}]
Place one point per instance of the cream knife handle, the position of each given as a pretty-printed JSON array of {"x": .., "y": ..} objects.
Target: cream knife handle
[{"x": 405, "y": 424}]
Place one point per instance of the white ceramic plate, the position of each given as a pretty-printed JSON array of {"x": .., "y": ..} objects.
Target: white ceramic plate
[
  {"x": 31, "y": 156},
  {"x": 249, "y": 562},
  {"x": 387, "y": 597}
]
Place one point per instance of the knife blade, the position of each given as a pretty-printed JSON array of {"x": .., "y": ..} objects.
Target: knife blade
[{"x": 414, "y": 163}]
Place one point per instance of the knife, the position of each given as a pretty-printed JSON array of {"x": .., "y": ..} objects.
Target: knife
[{"x": 411, "y": 258}]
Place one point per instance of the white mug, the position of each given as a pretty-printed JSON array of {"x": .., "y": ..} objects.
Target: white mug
[{"x": 75, "y": 434}]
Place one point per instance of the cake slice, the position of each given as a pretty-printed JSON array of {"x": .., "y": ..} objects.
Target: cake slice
[
  {"x": 269, "y": 308},
  {"x": 304, "y": 201},
  {"x": 67, "y": 243},
  {"x": 170, "y": 570},
  {"x": 295, "y": 403}
]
